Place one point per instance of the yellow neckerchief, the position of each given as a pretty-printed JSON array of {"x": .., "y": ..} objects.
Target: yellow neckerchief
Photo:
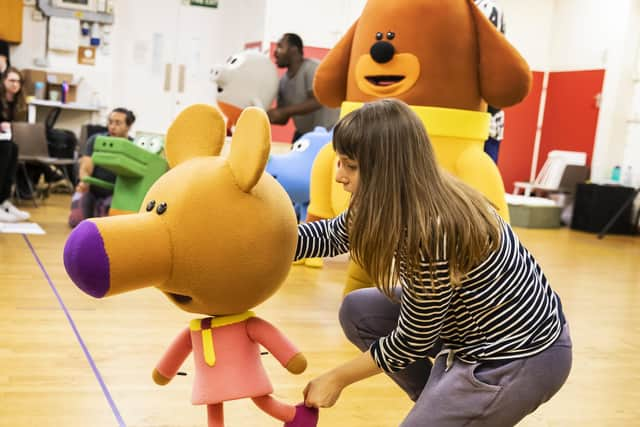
[
  {"x": 451, "y": 122},
  {"x": 207, "y": 324}
]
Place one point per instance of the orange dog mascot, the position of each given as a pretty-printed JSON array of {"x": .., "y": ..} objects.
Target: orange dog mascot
[{"x": 447, "y": 61}]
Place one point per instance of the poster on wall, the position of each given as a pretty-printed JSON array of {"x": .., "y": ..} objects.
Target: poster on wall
[
  {"x": 64, "y": 34},
  {"x": 204, "y": 3}
]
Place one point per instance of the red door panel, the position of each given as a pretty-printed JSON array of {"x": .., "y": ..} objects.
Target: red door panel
[
  {"x": 516, "y": 149},
  {"x": 571, "y": 112}
]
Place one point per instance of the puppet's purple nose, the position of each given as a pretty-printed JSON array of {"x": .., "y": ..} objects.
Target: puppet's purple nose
[{"x": 86, "y": 261}]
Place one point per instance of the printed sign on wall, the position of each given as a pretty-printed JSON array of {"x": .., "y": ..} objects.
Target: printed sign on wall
[{"x": 205, "y": 3}]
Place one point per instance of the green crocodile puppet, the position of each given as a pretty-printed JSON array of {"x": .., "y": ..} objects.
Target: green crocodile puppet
[{"x": 136, "y": 165}]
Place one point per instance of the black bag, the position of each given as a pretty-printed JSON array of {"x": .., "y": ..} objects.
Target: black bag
[{"x": 62, "y": 142}]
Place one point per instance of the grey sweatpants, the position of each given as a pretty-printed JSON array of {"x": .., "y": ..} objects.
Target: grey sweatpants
[{"x": 484, "y": 394}]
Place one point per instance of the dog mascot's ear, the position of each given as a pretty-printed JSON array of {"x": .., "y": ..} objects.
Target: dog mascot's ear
[
  {"x": 504, "y": 75},
  {"x": 330, "y": 81}
]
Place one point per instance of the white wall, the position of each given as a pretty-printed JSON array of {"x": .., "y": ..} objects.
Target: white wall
[
  {"x": 242, "y": 21},
  {"x": 319, "y": 23},
  {"x": 235, "y": 22},
  {"x": 590, "y": 34},
  {"x": 529, "y": 28},
  {"x": 180, "y": 37}
]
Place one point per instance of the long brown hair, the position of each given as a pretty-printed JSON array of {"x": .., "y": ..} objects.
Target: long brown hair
[
  {"x": 20, "y": 105},
  {"x": 406, "y": 207}
]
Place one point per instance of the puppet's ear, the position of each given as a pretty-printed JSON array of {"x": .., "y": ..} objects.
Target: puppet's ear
[
  {"x": 198, "y": 131},
  {"x": 330, "y": 81},
  {"x": 505, "y": 77},
  {"x": 250, "y": 146}
]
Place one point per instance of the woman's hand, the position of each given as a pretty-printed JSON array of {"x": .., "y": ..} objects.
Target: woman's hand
[
  {"x": 5, "y": 127},
  {"x": 82, "y": 187},
  {"x": 323, "y": 392}
]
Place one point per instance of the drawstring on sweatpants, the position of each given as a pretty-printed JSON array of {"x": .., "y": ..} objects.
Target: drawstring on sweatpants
[{"x": 451, "y": 355}]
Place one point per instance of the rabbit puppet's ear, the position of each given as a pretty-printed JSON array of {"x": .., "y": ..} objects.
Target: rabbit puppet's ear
[
  {"x": 198, "y": 131},
  {"x": 250, "y": 146}
]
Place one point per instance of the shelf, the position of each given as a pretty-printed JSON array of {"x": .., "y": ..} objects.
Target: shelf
[
  {"x": 65, "y": 106},
  {"x": 48, "y": 10}
]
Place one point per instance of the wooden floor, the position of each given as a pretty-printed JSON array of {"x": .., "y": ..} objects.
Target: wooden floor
[{"x": 46, "y": 378}]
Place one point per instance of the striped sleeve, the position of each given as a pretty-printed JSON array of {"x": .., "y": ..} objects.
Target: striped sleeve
[
  {"x": 422, "y": 316},
  {"x": 324, "y": 238}
]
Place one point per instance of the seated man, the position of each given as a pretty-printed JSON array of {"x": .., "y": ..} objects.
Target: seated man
[{"x": 93, "y": 200}]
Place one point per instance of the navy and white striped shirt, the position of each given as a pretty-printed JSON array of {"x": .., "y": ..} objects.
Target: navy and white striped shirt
[{"x": 503, "y": 309}]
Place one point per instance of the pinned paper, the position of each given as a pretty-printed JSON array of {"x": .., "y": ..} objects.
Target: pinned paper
[
  {"x": 20, "y": 228},
  {"x": 63, "y": 34}
]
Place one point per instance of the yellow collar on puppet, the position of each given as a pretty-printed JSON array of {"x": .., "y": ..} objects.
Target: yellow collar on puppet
[
  {"x": 215, "y": 322},
  {"x": 207, "y": 324},
  {"x": 450, "y": 122}
]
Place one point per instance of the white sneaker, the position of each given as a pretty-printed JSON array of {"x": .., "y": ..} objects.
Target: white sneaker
[
  {"x": 8, "y": 208},
  {"x": 7, "y": 217}
]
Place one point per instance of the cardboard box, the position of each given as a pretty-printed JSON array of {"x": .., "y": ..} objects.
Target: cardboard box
[
  {"x": 53, "y": 82},
  {"x": 30, "y": 79},
  {"x": 71, "y": 94},
  {"x": 535, "y": 216}
]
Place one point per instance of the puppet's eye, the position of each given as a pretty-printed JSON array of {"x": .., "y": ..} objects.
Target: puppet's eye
[
  {"x": 379, "y": 36},
  {"x": 162, "y": 208},
  {"x": 301, "y": 145}
]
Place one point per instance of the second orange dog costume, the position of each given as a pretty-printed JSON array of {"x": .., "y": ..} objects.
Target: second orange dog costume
[{"x": 447, "y": 61}]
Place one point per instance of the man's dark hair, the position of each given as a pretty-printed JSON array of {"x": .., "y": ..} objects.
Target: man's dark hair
[
  {"x": 129, "y": 116},
  {"x": 294, "y": 40}
]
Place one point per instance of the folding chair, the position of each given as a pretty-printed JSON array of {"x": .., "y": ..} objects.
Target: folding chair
[
  {"x": 553, "y": 173},
  {"x": 31, "y": 139}
]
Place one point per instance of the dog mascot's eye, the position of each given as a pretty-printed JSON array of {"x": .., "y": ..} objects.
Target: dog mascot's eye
[
  {"x": 379, "y": 36},
  {"x": 391, "y": 35}
]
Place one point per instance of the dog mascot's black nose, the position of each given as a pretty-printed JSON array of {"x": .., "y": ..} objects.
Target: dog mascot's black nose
[{"x": 382, "y": 52}]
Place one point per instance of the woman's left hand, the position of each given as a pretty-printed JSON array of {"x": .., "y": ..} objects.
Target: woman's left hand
[{"x": 323, "y": 392}]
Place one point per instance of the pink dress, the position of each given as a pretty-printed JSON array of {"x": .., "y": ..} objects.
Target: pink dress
[{"x": 227, "y": 357}]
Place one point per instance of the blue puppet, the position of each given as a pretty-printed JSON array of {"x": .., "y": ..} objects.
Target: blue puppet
[{"x": 293, "y": 169}]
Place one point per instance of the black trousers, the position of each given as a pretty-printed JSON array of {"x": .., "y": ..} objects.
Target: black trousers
[{"x": 8, "y": 167}]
